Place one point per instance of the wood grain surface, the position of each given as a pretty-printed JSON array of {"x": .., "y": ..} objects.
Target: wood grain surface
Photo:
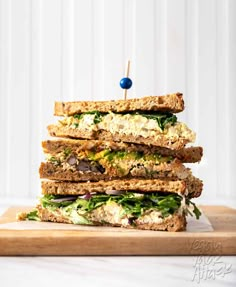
[{"x": 118, "y": 241}]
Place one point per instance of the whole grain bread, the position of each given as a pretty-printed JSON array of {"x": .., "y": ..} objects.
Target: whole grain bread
[
  {"x": 162, "y": 140},
  {"x": 168, "y": 103},
  {"x": 176, "y": 222},
  {"x": 185, "y": 187},
  {"x": 185, "y": 155}
]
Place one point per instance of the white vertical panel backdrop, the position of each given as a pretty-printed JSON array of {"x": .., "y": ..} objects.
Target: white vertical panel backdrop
[{"x": 77, "y": 49}]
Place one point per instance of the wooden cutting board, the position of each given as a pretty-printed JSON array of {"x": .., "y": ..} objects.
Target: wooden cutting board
[{"x": 119, "y": 241}]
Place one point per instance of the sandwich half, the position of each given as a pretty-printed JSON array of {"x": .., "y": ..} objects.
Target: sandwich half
[
  {"x": 82, "y": 160},
  {"x": 148, "y": 120},
  {"x": 140, "y": 204}
]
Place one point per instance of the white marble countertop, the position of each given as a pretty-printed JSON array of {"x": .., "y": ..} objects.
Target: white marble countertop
[{"x": 117, "y": 270}]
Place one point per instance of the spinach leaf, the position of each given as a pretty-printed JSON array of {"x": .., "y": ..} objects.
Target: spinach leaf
[{"x": 162, "y": 118}]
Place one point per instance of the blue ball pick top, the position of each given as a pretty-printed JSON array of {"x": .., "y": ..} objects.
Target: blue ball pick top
[{"x": 126, "y": 83}]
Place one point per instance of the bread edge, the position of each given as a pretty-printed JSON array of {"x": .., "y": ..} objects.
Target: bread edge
[
  {"x": 177, "y": 222},
  {"x": 162, "y": 141}
]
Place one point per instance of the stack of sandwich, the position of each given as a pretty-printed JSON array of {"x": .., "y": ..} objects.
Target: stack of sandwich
[{"x": 119, "y": 163}]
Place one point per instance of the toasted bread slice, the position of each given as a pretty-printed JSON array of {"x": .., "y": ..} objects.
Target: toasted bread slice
[
  {"x": 169, "y": 103},
  {"x": 176, "y": 222},
  {"x": 185, "y": 155},
  {"x": 191, "y": 187}
]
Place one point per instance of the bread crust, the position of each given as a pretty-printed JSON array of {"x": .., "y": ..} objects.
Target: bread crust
[
  {"x": 161, "y": 140},
  {"x": 168, "y": 103},
  {"x": 139, "y": 185},
  {"x": 176, "y": 222},
  {"x": 185, "y": 155},
  {"x": 194, "y": 186}
]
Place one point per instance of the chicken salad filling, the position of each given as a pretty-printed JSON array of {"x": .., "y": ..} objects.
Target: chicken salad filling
[
  {"x": 143, "y": 124},
  {"x": 116, "y": 207}
]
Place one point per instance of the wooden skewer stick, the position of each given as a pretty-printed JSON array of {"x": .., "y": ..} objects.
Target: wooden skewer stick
[{"x": 127, "y": 76}]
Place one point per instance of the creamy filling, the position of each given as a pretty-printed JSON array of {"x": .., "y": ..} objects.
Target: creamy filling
[
  {"x": 113, "y": 213},
  {"x": 110, "y": 162},
  {"x": 129, "y": 125},
  {"x": 119, "y": 208},
  {"x": 122, "y": 209}
]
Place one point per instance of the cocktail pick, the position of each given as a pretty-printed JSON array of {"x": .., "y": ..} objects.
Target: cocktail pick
[{"x": 126, "y": 83}]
